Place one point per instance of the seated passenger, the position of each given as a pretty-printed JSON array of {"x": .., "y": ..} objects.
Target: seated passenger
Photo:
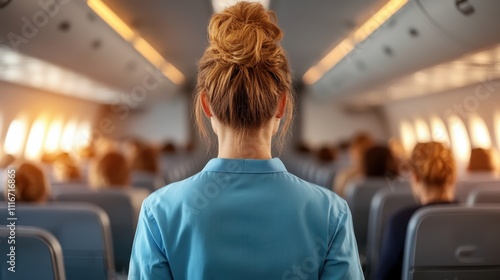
[
  {"x": 326, "y": 155},
  {"x": 145, "y": 165},
  {"x": 65, "y": 168},
  {"x": 112, "y": 171},
  {"x": 31, "y": 185},
  {"x": 433, "y": 182},
  {"x": 378, "y": 162},
  {"x": 481, "y": 162},
  {"x": 357, "y": 147},
  {"x": 168, "y": 148},
  {"x": 244, "y": 216}
]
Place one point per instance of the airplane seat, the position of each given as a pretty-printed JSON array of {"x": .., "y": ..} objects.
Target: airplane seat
[
  {"x": 144, "y": 180},
  {"x": 83, "y": 230},
  {"x": 483, "y": 196},
  {"x": 359, "y": 196},
  {"x": 60, "y": 187},
  {"x": 119, "y": 207},
  {"x": 384, "y": 205},
  {"x": 45, "y": 261},
  {"x": 453, "y": 242},
  {"x": 466, "y": 187}
]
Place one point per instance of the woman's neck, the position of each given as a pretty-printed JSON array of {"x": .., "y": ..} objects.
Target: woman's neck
[
  {"x": 252, "y": 146},
  {"x": 431, "y": 197}
]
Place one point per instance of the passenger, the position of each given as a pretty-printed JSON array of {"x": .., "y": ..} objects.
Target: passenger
[
  {"x": 31, "y": 185},
  {"x": 433, "y": 182},
  {"x": 481, "y": 161},
  {"x": 168, "y": 148},
  {"x": 302, "y": 148},
  {"x": 326, "y": 154},
  {"x": 145, "y": 166},
  {"x": 65, "y": 168},
  {"x": 110, "y": 170},
  {"x": 357, "y": 147},
  {"x": 244, "y": 216},
  {"x": 378, "y": 162}
]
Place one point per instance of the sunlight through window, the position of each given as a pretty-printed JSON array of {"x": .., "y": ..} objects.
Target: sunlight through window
[
  {"x": 407, "y": 136},
  {"x": 439, "y": 132},
  {"x": 68, "y": 136},
  {"x": 53, "y": 136},
  {"x": 459, "y": 140},
  {"x": 480, "y": 135},
  {"x": 422, "y": 130},
  {"x": 496, "y": 122},
  {"x": 16, "y": 137},
  {"x": 82, "y": 137},
  {"x": 35, "y": 140}
]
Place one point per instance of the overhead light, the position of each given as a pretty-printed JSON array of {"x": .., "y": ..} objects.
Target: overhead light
[
  {"x": 139, "y": 43},
  {"x": 220, "y": 5},
  {"x": 348, "y": 44}
]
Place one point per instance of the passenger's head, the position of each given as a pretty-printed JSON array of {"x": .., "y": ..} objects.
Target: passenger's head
[
  {"x": 244, "y": 80},
  {"x": 31, "y": 185},
  {"x": 168, "y": 148},
  {"x": 6, "y": 160},
  {"x": 433, "y": 172},
  {"x": 378, "y": 161},
  {"x": 359, "y": 144},
  {"x": 65, "y": 168},
  {"x": 326, "y": 154},
  {"x": 302, "y": 148},
  {"x": 110, "y": 170},
  {"x": 145, "y": 158},
  {"x": 481, "y": 160}
]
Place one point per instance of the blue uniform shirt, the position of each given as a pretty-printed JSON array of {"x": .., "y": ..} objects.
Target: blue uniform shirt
[{"x": 244, "y": 219}]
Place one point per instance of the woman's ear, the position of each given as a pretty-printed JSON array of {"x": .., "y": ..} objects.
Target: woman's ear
[
  {"x": 206, "y": 105},
  {"x": 281, "y": 106}
]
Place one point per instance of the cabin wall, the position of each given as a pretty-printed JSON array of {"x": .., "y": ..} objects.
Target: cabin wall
[
  {"x": 164, "y": 119},
  {"x": 329, "y": 122},
  {"x": 30, "y": 104}
]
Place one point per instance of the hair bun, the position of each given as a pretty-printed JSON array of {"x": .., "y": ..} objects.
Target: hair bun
[{"x": 245, "y": 34}]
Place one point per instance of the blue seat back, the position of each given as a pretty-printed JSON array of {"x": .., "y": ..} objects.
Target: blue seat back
[
  {"x": 359, "y": 196},
  {"x": 45, "y": 261},
  {"x": 384, "y": 205},
  {"x": 118, "y": 207},
  {"x": 83, "y": 231},
  {"x": 453, "y": 242}
]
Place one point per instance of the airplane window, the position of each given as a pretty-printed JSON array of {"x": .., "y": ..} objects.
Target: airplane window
[
  {"x": 422, "y": 129},
  {"x": 34, "y": 144},
  {"x": 480, "y": 135},
  {"x": 83, "y": 134},
  {"x": 407, "y": 136},
  {"x": 68, "y": 136},
  {"x": 16, "y": 137},
  {"x": 53, "y": 136},
  {"x": 439, "y": 132},
  {"x": 460, "y": 142},
  {"x": 497, "y": 128}
]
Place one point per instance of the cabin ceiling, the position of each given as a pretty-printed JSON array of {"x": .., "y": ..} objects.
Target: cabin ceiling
[{"x": 177, "y": 28}]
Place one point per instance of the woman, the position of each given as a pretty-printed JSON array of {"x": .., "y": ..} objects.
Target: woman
[
  {"x": 26, "y": 182},
  {"x": 244, "y": 216},
  {"x": 433, "y": 182},
  {"x": 65, "y": 168}
]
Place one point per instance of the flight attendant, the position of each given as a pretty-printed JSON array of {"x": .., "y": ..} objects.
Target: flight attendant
[{"x": 244, "y": 216}]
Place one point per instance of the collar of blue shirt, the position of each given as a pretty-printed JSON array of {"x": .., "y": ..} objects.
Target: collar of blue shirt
[{"x": 245, "y": 165}]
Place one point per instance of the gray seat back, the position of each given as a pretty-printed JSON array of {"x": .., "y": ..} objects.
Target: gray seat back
[
  {"x": 464, "y": 188},
  {"x": 359, "y": 196},
  {"x": 453, "y": 242},
  {"x": 118, "y": 207},
  {"x": 480, "y": 196},
  {"x": 384, "y": 205},
  {"x": 45, "y": 261},
  {"x": 82, "y": 230}
]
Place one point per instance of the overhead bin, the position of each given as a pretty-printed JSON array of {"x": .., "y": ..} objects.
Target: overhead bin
[{"x": 413, "y": 39}]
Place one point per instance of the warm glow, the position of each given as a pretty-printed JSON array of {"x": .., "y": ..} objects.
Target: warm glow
[
  {"x": 407, "y": 136},
  {"x": 349, "y": 43},
  {"x": 35, "y": 140},
  {"x": 480, "y": 135},
  {"x": 497, "y": 128},
  {"x": 141, "y": 45},
  {"x": 459, "y": 139},
  {"x": 83, "y": 135},
  {"x": 16, "y": 137},
  {"x": 439, "y": 132},
  {"x": 112, "y": 19},
  {"x": 68, "y": 136},
  {"x": 53, "y": 136},
  {"x": 422, "y": 129}
]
